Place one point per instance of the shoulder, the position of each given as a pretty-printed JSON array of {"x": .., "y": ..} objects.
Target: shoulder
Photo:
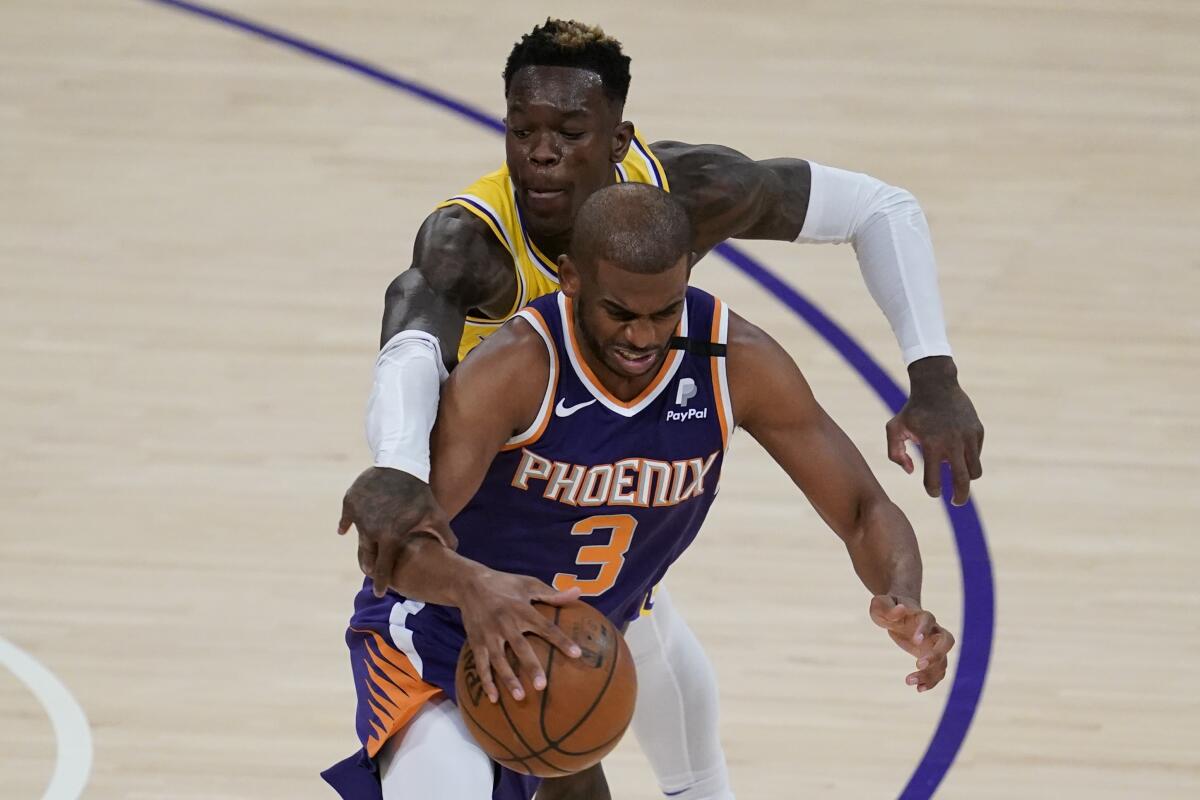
[
  {"x": 455, "y": 228},
  {"x": 760, "y": 371},
  {"x": 455, "y": 247},
  {"x": 511, "y": 365},
  {"x": 749, "y": 344}
]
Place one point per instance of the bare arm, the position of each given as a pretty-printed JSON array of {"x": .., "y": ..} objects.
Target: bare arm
[
  {"x": 821, "y": 460},
  {"x": 827, "y": 467}
]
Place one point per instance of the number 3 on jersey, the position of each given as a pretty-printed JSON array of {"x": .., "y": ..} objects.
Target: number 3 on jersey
[{"x": 610, "y": 556}]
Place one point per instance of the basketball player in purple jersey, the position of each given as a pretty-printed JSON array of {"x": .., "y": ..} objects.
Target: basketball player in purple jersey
[
  {"x": 491, "y": 249},
  {"x": 580, "y": 450}
]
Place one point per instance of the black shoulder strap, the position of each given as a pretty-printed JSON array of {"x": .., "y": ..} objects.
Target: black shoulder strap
[{"x": 697, "y": 347}]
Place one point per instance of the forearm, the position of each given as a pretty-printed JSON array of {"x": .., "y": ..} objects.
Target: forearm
[
  {"x": 890, "y": 236},
  {"x": 884, "y": 551},
  {"x": 430, "y": 572}
]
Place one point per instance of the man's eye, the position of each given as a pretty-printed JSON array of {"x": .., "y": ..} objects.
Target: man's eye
[
  {"x": 518, "y": 132},
  {"x": 573, "y": 134}
]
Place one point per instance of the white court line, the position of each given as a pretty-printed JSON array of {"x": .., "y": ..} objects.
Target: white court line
[{"x": 71, "y": 730}]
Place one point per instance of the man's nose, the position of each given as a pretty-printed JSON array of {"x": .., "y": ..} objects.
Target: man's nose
[
  {"x": 545, "y": 151},
  {"x": 640, "y": 334}
]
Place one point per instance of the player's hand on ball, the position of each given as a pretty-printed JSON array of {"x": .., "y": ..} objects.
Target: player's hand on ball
[
  {"x": 388, "y": 506},
  {"x": 497, "y": 611},
  {"x": 918, "y": 634}
]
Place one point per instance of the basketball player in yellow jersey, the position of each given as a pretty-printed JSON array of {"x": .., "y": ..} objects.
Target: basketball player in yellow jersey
[
  {"x": 482, "y": 254},
  {"x": 493, "y": 200}
]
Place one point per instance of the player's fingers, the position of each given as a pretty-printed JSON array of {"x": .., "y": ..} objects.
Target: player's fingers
[
  {"x": 923, "y": 624},
  {"x": 503, "y": 669},
  {"x": 483, "y": 665},
  {"x": 555, "y": 636},
  {"x": 928, "y": 676},
  {"x": 974, "y": 465},
  {"x": 385, "y": 563},
  {"x": 933, "y": 454},
  {"x": 889, "y": 612},
  {"x": 940, "y": 642},
  {"x": 530, "y": 664},
  {"x": 960, "y": 476},
  {"x": 366, "y": 555},
  {"x": 897, "y": 438},
  {"x": 542, "y": 593},
  {"x": 881, "y": 605},
  {"x": 347, "y": 518}
]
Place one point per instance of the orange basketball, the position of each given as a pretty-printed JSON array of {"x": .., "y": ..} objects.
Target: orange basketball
[{"x": 577, "y": 720}]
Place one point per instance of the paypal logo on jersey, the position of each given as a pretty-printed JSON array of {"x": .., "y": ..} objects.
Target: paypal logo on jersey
[
  {"x": 683, "y": 393},
  {"x": 686, "y": 391}
]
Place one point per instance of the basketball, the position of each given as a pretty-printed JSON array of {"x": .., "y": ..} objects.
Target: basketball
[{"x": 580, "y": 716}]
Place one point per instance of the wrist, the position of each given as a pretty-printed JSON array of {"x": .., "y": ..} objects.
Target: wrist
[
  {"x": 933, "y": 373},
  {"x": 466, "y": 581}
]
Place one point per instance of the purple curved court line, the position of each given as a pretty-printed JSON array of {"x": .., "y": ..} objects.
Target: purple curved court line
[{"x": 975, "y": 647}]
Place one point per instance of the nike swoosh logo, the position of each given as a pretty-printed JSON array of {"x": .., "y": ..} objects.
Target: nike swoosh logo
[{"x": 562, "y": 410}]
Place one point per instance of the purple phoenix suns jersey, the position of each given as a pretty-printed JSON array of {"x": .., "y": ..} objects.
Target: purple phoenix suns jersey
[{"x": 598, "y": 493}]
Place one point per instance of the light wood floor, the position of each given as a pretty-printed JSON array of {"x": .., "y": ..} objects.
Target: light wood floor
[{"x": 196, "y": 228}]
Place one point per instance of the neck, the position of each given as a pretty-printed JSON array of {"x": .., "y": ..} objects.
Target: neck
[{"x": 551, "y": 246}]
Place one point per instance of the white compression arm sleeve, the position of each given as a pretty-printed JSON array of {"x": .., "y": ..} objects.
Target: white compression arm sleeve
[
  {"x": 404, "y": 402},
  {"x": 889, "y": 233}
]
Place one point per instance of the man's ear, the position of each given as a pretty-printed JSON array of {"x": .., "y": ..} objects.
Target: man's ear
[
  {"x": 621, "y": 139},
  {"x": 568, "y": 276}
]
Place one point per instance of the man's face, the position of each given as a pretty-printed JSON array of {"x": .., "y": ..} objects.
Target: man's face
[
  {"x": 625, "y": 319},
  {"x": 562, "y": 137}
]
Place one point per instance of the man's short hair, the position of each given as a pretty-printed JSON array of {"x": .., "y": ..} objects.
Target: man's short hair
[
  {"x": 567, "y": 43},
  {"x": 634, "y": 226}
]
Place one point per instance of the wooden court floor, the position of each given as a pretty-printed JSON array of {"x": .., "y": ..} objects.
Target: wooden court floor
[{"x": 196, "y": 227}]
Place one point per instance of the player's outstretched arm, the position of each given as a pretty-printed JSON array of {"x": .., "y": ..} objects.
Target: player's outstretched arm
[
  {"x": 731, "y": 196},
  {"x": 491, "y": 396},
  {"x": 775, "y": 405},
  {"x": 457, "y": 265}
]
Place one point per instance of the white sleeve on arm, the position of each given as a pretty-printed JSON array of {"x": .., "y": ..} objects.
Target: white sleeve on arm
[
  {"x": 404, "y": 402},
  {"x": 889, "y": 233}
]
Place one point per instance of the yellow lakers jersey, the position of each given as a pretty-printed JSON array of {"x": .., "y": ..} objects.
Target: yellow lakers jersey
[{"x": 493, "y": 199}]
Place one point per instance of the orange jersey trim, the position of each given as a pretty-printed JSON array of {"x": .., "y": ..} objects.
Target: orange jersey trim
[
  {"x": 663, "y": 371},
  {"x": 534, "y": 317}
]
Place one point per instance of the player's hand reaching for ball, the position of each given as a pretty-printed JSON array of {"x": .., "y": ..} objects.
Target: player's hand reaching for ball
[
  {"x": 497, "y": 611},
  {"x": 918, "y": 634},
  {"x": 387, "y": 507}
]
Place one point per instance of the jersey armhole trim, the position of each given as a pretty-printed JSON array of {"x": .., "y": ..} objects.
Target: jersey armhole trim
[
  {"x": 720, "y": 378},
  {"x": 654, "y": 166},
  {"x": 538, "y": 426}
]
